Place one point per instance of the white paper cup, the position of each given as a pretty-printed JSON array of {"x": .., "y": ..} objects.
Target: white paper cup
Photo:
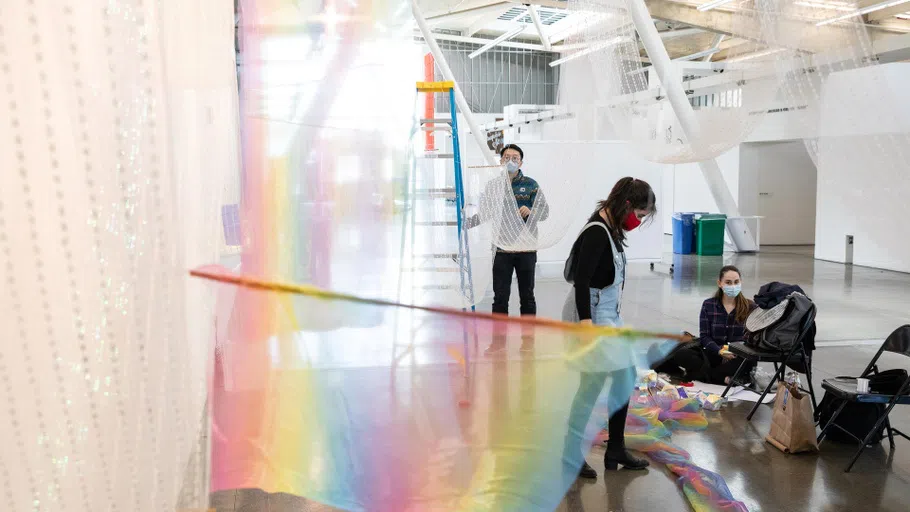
[{"x": 862, "y": 385}]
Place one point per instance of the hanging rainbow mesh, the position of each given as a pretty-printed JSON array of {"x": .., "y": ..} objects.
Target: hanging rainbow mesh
[
  {"x": 403, "y": 410},
  {"x": 373, "y": 403}
]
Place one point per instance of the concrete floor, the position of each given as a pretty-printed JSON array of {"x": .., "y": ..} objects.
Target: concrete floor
[{"x": 857, "y": 309}]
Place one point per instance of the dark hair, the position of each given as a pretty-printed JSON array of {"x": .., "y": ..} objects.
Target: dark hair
[
  {"x": 627, "y": 195},
  {"x": 521, "y": 153},
  {"x": 743, "y": 305}
]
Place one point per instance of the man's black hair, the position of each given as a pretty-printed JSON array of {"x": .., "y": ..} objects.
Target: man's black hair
[{"x": 515, "y": 147}]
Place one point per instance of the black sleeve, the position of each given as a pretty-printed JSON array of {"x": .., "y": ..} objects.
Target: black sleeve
[{"x": 593, "y": 245}]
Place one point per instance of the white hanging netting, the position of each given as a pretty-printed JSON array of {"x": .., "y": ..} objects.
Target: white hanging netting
[
  {"x": 847, "y": 100},
  {"x": 630, "y": 102},
  {"x": 835, "y": 91},
  {"x": 327, "y": 114},
  {"x": 492, "y": 220},
  {"x": 766, "y": 77},
  {"x": 491, "y": 213},
  {"x": 774, "y": 58},
  {"x": 108, "y": 197}
]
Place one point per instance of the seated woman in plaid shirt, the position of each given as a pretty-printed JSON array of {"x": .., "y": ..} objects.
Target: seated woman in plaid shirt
[{"x": 723, "y": 321}]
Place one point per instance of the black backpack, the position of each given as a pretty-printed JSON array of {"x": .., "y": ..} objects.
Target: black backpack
[
  {"x": 568, "y": 271},
  {"x": 888, "y": 382},
  {"x": 858, "y": 418}
]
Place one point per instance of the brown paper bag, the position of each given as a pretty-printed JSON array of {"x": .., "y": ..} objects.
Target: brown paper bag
[{"x": 792, "y": 425}]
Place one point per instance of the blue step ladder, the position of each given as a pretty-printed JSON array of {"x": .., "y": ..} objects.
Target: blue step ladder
[
  {"x": 443, "y": 261},
  {"x": 419, "y": 191}
]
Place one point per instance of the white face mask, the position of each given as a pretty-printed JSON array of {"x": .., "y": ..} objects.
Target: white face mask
[
  {"x": 511, "y": 166},
  {"x": 733, "y": 290}
]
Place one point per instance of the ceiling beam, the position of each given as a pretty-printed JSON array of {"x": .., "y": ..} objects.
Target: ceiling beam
[
  {"x": 893, "y": 25},
  {"x": 585, "y": 23},
  {"x": 508, "y": 44},
  {"x": 887, "y": 12},
  {"x": 681, "y": 32},
  {"x": 462, "y": 8},
  {"x": 887, "y": 49},
  {"x": 698, "y": 55},
  {"x": 724, "y": 22},
  {"x": 719, "y": 38},
  {"x": 727, "y": 48}
]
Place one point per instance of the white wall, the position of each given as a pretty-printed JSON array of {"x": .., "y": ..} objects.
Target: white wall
[
  {"x": 777, "y": 180},
  {"x": 863, "y": 168},
  {"x": 592, "y": 168},
  {"x": 690, "y": 191}
]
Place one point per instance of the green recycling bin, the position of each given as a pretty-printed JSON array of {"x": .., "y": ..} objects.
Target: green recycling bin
[{"x": 709, "y": 238}]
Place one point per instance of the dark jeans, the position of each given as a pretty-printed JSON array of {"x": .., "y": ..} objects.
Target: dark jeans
[
  {"x": 722, "y": 368},
  {"x": 523, "y": 265}
]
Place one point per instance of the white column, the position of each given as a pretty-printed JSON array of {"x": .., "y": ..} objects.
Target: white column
[
  {"x": 536, "y": 19},
  {"x": 737, "y": 228},
  {"x": 479, "y": 137}
]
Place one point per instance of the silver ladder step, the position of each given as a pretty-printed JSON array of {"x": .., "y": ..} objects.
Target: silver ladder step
[
  {"x": 438, "y": 120},
  {"x": 431, "y": 269},
  {"x": 437, "y": 156},
  {"x": 438, "y": 256},
  {"x": 437, "y": 223},
  {"x": 440, "y": 128},
  {"x": 438, "y": 287},
  {"x": 435, "y": 193}
]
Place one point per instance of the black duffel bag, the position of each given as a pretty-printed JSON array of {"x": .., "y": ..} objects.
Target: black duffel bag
[{"x": 687, "y": 362}]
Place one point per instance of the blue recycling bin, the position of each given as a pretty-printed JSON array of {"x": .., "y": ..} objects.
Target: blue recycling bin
[{"x": 683, "y": 233}]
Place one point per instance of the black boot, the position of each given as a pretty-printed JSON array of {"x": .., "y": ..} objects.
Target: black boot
[
  {"x": 618, "y": 456},
  {"x": 587, "y": 471}
]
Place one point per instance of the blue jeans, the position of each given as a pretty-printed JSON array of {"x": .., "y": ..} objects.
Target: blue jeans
[
  {"x": 604, "y": 311},
  {"x": 605, "y": 307}
]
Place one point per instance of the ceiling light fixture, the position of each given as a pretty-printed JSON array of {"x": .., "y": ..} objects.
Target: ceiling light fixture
[
  {"x": 501, "y": 39},
  {"x": 712, "y": 4},
  {"x": 818, "y": 5},
  {"x": 704, "y": 53},
  {"x": 750, "y": 56},
  {"x": 591, "y": 49}
]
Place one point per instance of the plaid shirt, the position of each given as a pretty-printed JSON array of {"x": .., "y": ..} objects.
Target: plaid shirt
[{"x": 717, "y": 327}]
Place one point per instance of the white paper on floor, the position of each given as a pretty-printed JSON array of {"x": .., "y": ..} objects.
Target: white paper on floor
[
  {"x": 736, "y": 392},
  {"x": 748, "y": 395}
]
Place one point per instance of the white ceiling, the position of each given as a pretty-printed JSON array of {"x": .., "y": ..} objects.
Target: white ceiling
[{"x": 482, "y": 20}]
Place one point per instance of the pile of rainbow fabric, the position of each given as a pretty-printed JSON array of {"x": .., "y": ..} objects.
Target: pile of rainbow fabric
[{"x": 655, "y": 412}]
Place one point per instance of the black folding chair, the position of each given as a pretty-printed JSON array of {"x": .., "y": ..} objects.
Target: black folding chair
[
  {"x": 845, "y": 389},
  {"x": 797, "y": 355}
]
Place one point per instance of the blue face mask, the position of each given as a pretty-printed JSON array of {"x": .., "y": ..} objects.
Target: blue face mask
[
  {"x": 733, "y": 290},
  {"x": 511, "y": 166}
]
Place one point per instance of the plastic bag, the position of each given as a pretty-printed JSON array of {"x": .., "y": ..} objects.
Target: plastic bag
[{"x": 761, "y": 377}]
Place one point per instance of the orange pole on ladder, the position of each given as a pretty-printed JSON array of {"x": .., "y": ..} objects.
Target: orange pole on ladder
[{"x": 429, "y": 66}]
